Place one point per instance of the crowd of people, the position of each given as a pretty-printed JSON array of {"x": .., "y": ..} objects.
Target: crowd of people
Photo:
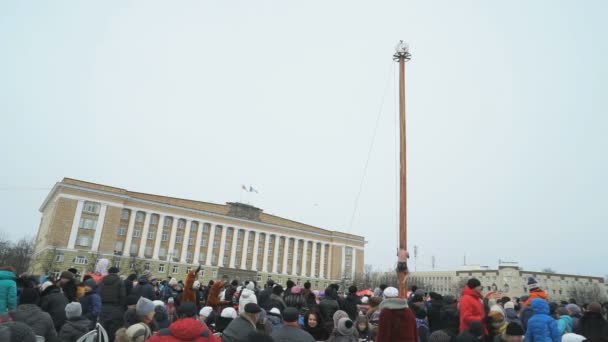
[{"x": 138, "y": 308}]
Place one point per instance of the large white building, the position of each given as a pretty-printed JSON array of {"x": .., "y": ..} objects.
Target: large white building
[
  {"x": 167, "y": 236},
  {"x": 508, "y": 279}
]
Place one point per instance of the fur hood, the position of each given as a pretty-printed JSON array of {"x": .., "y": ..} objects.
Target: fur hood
[{"x": 393, "y": 304}]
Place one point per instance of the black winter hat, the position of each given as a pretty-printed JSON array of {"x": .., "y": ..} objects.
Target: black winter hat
[
  {"x": 277, "y": 290},
  {"x": 473, "y": 283},
  {"x": 291, "y": 314},
  {"x": 187, "y": 309}
]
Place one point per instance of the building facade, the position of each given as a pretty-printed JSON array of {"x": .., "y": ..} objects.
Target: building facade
[
  {"x": 82, "y": 222},
  {"x": 508, "y": 279}
]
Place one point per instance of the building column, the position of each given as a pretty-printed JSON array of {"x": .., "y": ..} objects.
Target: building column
[
  {"x": 275, "y": 254},
  {"x": 256, "y": 244},
  {"x": 170, "y": 251},
  {"x": 245, "y": 247},
  {"x": 329, "y": 260},
  {"x": 265, "y": 253},
  {"x": 343, "y": 268},
  {"x": 143, "y": 240},
  {"x": 220, "y": 258},
  {"x": 352, "y": 263},
  {"x": 210, "y": 245},
  {"x": 99, "y": 227},
  {"x": 285, "y": 255},
  {"x": 235, "y": 234},
  {"x": 127, "y": 246},
  {"x": 313, "y": 256},
  {"x": 305, "y": 258},
  {"x": 197, "y": 244},
  {"x": 322, "y": 261},
  {"x": 185, "y": 241},
  {"x": 159, "y": 233},
  {"x": 75, "y": 224},
  {"x": 294, "y": 266}
]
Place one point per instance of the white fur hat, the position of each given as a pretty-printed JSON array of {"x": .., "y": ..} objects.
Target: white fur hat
[
  {"x": 228, "y": 313},
  {"x": 391, "y": 292},
  {"x": 206, "y": 311}
]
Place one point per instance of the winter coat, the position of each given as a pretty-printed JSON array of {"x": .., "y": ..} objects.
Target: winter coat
[
  {"x": 349, "y": 305},
  {"x": 247, "y": 296},
  {"x": 591, "y": 325},
  {"x": 310, "y": 299},
  {"x": 295, "y": 300},
  {"x": 397, "y": 322},
  {"x": 471, "y": 308},
  {"x": 264, "y": 299},
  {"x": 319, "y": 333},
  {"x": 423, "y": 330},
  {"x": 229, "y": 294},
  {"x": 169, "y": 292},
  {"x": 536, "y": 293},
  {"x": 336, "y": 337},
  {"x": 277, "y": 302},
  {"x": 112, "y": 290},
  {"x": 542, "y": 327},
  {"x": 91, "y": 307},
  {"x": 434, "y": 314},
  {"x": 276, "y": 321},
  {"x": 328, "y": 308},
  {"x": 512, "y": 317},
  {"x": 40, "y": 321},
  {"x": 238, "y": 330},
  {"x": 186, "y": 329},
  {"x": 69, "y": 290},
  {"x": 74, "y": 328},
  {"x": 524, "y": 315},
  {"x": 288, "y": 334},
  {"x": 54, "y": 302},
  {"x": 189, "y": 294},
  {"x": 8, "y": 291},
  {"x": 564, "y": 324},
  {"x": 144, "y": 289}
]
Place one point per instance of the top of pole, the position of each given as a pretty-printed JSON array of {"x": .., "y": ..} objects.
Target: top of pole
[{"x": 402, "y": 50}]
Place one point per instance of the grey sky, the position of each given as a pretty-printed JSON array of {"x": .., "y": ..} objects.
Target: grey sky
[{"x": 506, "y": 116}]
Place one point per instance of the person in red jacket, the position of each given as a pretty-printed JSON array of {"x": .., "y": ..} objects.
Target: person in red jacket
[
  {"x": 471, "y": 305},
  {"x": 397, "y": 322},
  {"x": 187, "y": 328}
]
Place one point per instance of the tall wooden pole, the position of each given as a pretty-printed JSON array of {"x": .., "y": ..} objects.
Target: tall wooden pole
[
  {"x": 401, "y": 55},
  {"x": 402, "y": 160}
]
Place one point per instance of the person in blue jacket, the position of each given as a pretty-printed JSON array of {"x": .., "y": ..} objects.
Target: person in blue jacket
[
  {"x": 541, "y": 326},
  {"x": 8, "y": 289}
]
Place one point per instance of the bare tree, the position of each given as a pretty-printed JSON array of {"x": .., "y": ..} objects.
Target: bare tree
[
  {"x": 587, "y": 293},
  {"x": 18, "y": 255},
  {"x": 44, "y": 261},
  {"x": 92, "y": 262}
]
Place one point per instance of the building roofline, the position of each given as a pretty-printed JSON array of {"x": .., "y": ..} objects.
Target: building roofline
[{"x": 125, "y": 195}]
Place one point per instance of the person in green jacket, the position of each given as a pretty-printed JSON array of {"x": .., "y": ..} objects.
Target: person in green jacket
[{"x": 8, "y": 289}]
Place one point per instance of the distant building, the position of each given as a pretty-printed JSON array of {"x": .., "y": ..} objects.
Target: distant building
[
  {"x": 508, "y": 279},
  {"x": 82, "y": 222}
]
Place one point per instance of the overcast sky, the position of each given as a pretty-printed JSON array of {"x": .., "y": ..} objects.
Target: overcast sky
[{"x": 506, "y": 104}]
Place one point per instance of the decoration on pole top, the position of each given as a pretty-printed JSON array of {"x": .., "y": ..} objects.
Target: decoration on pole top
[{"x": 402, "y": 50}]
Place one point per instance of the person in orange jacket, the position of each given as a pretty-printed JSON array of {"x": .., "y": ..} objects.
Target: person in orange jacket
[{"x": 535, "y": 292}]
